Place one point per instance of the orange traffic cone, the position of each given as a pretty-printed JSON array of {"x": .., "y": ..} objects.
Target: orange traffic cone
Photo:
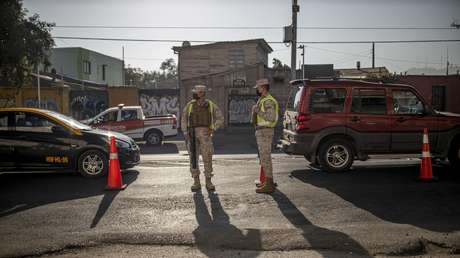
[
  {"x": 261, "y": 177},
  {"x": 114, "y": 181},
  {"x": 426, "y": 168}
]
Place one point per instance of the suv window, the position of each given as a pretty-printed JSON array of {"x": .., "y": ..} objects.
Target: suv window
[
  {"x": 369, "y": 101},
  {"x": 27, "y": 122},
  {"x": 405, "y": 102},
  {"x": 327, "y": 100},
  {"x": 294, "y": 98},
  {"x": 129, "y": 114},
  {"x": 4, "y": 121}
]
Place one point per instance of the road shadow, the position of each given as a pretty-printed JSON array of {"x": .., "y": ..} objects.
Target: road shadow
[
  {"x": 215, "y": 231},
  {"x": 319, "y": 238},
  {"x": 165, "y": 148},
  {"x": 393, "y": 194},
  {"x": 20, "y": 192}
]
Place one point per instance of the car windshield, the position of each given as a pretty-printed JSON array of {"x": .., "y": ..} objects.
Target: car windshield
[{"x": 68, "y": 120}]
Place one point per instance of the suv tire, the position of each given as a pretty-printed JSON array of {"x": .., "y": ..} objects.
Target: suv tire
[
  {"x": 454, "y": 155},
  {"x": 93, "y": 163},
  {"x": 336, "y": 155}
]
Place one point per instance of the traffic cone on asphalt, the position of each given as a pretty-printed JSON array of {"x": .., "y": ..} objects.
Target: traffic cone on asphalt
[
  {"x": 261, "y": 177},
  {"x": 426, "y": 168},
  {"x": 114, "y": 181}
]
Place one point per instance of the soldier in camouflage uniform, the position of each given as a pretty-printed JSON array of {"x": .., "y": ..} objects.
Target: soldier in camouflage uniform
[
  {"x": 264, "y": 117},
  {"x": 204, "y": 117}
]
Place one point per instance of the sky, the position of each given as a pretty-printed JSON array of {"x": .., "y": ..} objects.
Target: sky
[{"x": 264, "y": 13}]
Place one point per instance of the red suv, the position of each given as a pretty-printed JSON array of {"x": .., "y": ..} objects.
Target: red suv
[{"x": 334, "y": 122}]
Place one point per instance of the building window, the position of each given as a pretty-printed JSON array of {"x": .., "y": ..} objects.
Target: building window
[
  {"x": 104, "y": 68},
  {"x": 236, "y": 58},
  {"x": 87, "y": 67},
  {"x": 438, "y": 99}
]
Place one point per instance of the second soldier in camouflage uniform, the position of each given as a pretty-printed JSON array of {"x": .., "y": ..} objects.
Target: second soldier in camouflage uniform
[
  {"x": 265, "y": 117},
  {"x": 204, "y": 117}
]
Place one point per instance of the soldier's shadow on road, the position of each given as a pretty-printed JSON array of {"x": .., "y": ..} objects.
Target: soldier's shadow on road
[
  {"x": 20, "y": 192},
  {"x": 215, "y": 231},
  {"x": 318, "y": 238},
  {"x": 393, "y": 194},
  {"x": 165, "y": 148}
]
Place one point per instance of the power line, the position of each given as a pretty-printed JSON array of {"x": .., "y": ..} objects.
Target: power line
[
  {"x": 248, "y": 27},
  {"x": 270, "y": 42}
]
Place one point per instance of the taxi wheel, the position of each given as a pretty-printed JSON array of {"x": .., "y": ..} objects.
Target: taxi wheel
[
  {"x": 336, "y": 155},
  {"x": 153, "y": 138},
  {"x": 93, "y": 163}
]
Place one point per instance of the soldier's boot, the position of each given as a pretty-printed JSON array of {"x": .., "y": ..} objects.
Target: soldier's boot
[
  {"x": 209, "y": 184},
  {"x": 268, "y": 187},
  {"x": 196, "y": 184}
]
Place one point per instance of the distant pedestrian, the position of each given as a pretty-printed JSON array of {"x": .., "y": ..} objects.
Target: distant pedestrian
[
  {"x": 265, "y": 117},
  {"x": 200, "y": 118}
]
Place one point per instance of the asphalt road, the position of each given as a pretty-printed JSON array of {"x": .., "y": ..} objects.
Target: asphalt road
[{"x": 377, "y": 209}]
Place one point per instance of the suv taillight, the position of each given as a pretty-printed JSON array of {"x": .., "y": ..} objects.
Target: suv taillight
[{"x": 301, "y": 121}]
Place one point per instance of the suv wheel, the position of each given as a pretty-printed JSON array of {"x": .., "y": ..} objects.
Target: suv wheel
[
  {"x": 153, "y": 138},
  {"x": 336, "y": 155},
  {"x": 454, "y": 155},
  {"x": 93, "y": 163}
]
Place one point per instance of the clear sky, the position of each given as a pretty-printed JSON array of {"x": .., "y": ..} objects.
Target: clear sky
[{"x": 265, "y": 13}]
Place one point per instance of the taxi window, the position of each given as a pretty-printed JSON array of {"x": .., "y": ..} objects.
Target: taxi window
[
  {"x": 28, "y": 122},
  {"x": 4, "y": 121},
  {"x": 129, "y": 114}
]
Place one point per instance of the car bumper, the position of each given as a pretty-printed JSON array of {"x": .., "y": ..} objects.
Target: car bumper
[
  {"x": 129, "y": 158},
  {"x": 296, "y": 144}
]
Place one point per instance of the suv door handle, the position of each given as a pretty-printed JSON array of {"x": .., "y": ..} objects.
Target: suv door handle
[
  {"x": 401, "y": 119},
  {"x": 355, "y": 119}
]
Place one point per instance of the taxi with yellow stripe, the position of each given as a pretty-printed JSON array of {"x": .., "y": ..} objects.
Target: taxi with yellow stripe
[{"x": 37, "y": 140}]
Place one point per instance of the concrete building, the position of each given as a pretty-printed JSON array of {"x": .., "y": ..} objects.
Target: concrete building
[
  {"x": 84, "y": 64},
  {"x": 230, "y": 70}
]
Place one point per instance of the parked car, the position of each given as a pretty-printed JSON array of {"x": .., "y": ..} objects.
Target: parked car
[
  {"x": 334, "y": 122},
  {"x": 130, "y": 120},
  {"x": 42, "y": 140}
]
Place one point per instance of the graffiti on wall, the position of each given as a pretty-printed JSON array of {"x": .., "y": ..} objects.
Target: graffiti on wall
[
  {"x": 239, "y": 108},
  {"x": 87, "y": 104},
  {"x": 7, "y": 100},
  {"x": 159, "y": 102},
  {"x": 47, "y": 103}
]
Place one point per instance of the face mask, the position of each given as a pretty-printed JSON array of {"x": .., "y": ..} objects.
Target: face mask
[
  {"x": 258, "y": 93},
  {"x": 195, "y": 96}
]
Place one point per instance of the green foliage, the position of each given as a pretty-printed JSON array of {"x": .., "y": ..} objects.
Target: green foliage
[
  {"x": 150, "y": 79},
  {"x": 25, "y": 42}
]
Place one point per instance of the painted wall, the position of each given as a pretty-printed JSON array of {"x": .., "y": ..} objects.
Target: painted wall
[
  {"x": 88, "y": 103},
  {"x": 160, "y": 102},
  {"x": 51, "y": 98},
  {"x": 123, "y": 95},
  {"x": 239, "y": 108}
]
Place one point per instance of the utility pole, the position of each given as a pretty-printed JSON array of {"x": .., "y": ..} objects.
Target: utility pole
[
  {"x": 303, "y": 60},
  {"x": 295, "y": 10},
  {"x": 447, "y": 60},
  {"x": 123, "y": 61},
  {"x": 38, "y": 85},
  {"x": 373, "y": 54}
]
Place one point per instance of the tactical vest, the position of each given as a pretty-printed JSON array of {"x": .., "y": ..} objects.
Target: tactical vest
[
  {"x": 260, "y": 120},
  {"x": 200, "y": 116}
]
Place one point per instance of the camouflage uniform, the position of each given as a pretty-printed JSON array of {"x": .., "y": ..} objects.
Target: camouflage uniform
[
  {"x": 203, "y": 136},
  {"x": 264, "y": 135}
]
